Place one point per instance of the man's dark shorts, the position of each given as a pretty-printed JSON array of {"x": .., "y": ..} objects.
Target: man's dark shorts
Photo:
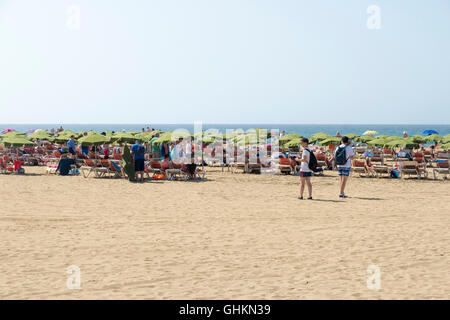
[{"x": 139, "y": 165}]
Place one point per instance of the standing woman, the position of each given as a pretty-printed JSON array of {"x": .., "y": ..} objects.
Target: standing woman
[{"x": 305, "y": 171}]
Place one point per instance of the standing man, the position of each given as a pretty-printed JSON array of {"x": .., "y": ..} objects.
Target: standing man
[
  {"x": 343, "y": 160},
  {"x": 305, "y": 171},
  {"x": 164, "y": 150},
  {"x": 138, "y": 153},
  {"x": 154, "y": 147},
  {"x": 71, "y": 145}
]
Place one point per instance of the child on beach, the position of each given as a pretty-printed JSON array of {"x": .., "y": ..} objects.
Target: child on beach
[
  {"x": 305, "y": 171},
  {"x": 343, "y": 160}
]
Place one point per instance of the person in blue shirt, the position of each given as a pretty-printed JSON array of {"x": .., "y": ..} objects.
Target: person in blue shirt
[
  {"x": 71, "y": 145},
  {"x": 138, "y": 153}
]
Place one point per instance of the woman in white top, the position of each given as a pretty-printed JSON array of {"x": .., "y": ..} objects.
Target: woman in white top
[{"x": 305, "y": 171}]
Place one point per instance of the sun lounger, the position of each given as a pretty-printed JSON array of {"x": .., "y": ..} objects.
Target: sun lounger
[
  {"x": 358, "y": 166},
  {"x": 377, "y": 157},
  {"x": 153, "y": 167},
  {"x": 412, "y": 168},
  {"x": 91, "y": 165},
  {"x": 381, "y": 170},
  {"x": 442, "y": 167},
  {"x": 284, "y": 166},
  {"x": 388, "y": 154}
]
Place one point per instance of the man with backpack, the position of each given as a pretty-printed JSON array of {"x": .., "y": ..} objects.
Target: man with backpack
[
  {"x": 343, "y": 160},
  {"x": 307, "y": 167},
  {"x": 138, "y": 153}
]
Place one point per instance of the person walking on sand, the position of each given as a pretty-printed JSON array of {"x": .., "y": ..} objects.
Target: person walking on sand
[
  {"x": 343, "y": 159},
  {"x": 305, "y": 171}
]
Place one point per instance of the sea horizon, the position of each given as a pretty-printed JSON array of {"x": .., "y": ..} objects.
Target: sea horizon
[{"x": 304, "y": 129}]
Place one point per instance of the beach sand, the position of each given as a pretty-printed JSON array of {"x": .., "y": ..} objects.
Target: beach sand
[{"x": 235, "y": 236}]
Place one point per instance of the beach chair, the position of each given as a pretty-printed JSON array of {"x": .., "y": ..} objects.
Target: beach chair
[
  {"x": 115, "y": 169},
  {"x": 253, "y": 168},
  {"x": 90, "y": 165},
  {"x": 381, "y": 170},
  {"x": 52, "y": 165},
  {"x": 442, "y": 167},
  {"x": 3, "y": 166},
  {"x": 388, "y": 154},
  {"x": 154, "y": 167},
  {"x": 175, "y": 174},
  {"x": 377, "y": 157},
  {"x": 238, "y": 166},
  {"x": 284, "y": 166},
  {"x": 419, "y": 157},
  {"x": 321, "y": 160},
  {"x": 411, "y": 168},
  {"x": 358, "y": 166}
]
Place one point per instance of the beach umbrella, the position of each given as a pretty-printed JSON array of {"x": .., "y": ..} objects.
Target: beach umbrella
[
  {"x": 446, "y": 146},
  {"x": 13, "y": 134},
  {"x": 293, "y": 143},
  {"x": 364, "y": 139},
  {"x": 430, "y": 132},
  {"x": 164, "y": 137},
  {"x": 289, "y": 137},
  {"x": 370, "y": 133},
  {"x": 94, "y": 139},
  {"x": 319, "y": 137},
  {"x": 433, "y": 138},
  {"x": 402, "y": 142},
  {"x": 418, "y": 138},
  {"x": 8, "y": 130},
  {"x": 446, "y": 138},
  {"x": 122, "y": 137},
  {"x": 128, "y": 165},
  {"x": 41, "y": 135},
  {"x": 330, "y": 140},
  {"x": 144, "y": 136},
  {"x": 378, "y": 142},
  {"x": 17, "y": 141},
  {"x": 351, "y": 135}
]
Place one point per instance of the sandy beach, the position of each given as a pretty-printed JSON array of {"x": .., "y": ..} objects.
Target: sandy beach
[{"x": 234, "y": 236}]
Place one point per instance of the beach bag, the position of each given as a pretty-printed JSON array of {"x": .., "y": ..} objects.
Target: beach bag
[
  {"x": 141, "y": 150},
  {"x": 341, "y": 157},
  {"x": 312, "y": 161}
]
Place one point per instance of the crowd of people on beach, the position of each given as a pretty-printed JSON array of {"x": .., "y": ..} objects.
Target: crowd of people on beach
[{"x": 181, "y": 154}]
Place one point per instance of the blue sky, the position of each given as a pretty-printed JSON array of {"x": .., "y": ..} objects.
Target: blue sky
[{"x": 225, "y": 61}]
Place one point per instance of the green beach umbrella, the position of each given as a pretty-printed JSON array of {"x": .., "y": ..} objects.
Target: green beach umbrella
[
  {"x": 17, "y": 141},
  {"x": 402, "y": 142},
  {"x": 128, "y": 165},
  {"x": 434, "y": 138},
  {"x": 93, "y": 139},
  {"x": 364, "y": 139},
  {"x": 319, "y": 137},
  {"x": 41, "y": 135},
  {"x": 122, "y": 137},
  {"x": 418, "y": 138},
  {"x": 13, "y": 134},
  {"x": 288, "y": 137},
  {"x": 378, "y": 142},
  {"x": 351, "y": 135},
  {"x": 293, "y": 143},
  {"x": 330, "y": 140}
]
